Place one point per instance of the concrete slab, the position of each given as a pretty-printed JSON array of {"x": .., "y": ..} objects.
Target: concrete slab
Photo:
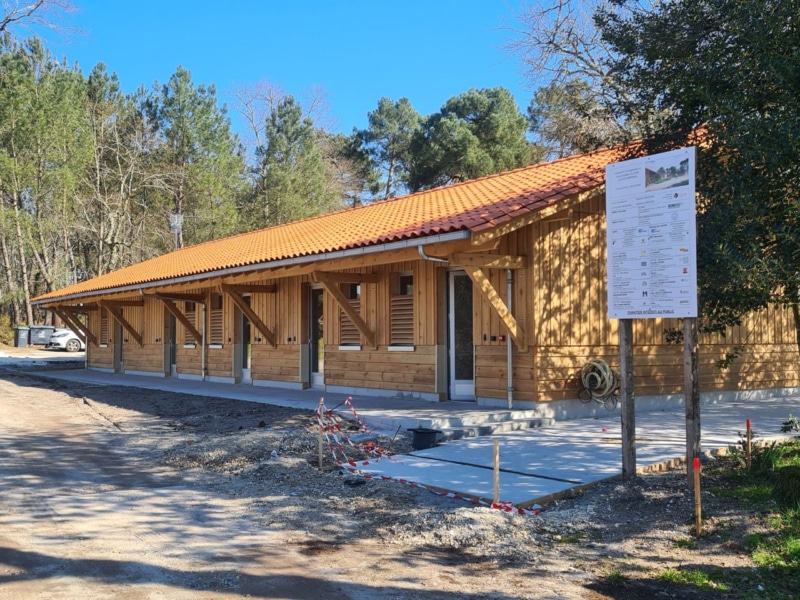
[
  {"x": 466, "y": 480},
  {"x": 539, "y": 462}
]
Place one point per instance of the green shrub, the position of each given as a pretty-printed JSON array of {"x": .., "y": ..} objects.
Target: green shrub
[
  {"x": 787, "y": 486},
  {"x": 790, "y": 424},
  {"x": 766, "y": 457}
]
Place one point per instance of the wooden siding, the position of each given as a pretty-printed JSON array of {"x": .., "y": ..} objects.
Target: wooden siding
[
  {"x": 219, "y": 361},
  {"x": 276, "y": 364},
  {"x": 135, "y": 316},
  {"x": 401, "y": 371},
  {"x": 149, "y": 357},
  {"x": 97, "y": 356},
  {"x": 187, "y": 360}
]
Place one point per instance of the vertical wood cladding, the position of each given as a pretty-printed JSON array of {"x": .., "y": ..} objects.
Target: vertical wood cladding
[{"x": 570, "y": 324}]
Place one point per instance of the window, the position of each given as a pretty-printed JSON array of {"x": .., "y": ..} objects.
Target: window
[
  {"x": 190, "y": 310},
  {"x": 352, "y": 291},
  {"x": 103, "y": 327},
  {"x": 215, "y": 317},
  {"x": 349, "y": 334},
  {"x": 401, "y": 306}
]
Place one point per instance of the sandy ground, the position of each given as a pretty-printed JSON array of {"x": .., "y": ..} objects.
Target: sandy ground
[{"x": 112, "y": 492}]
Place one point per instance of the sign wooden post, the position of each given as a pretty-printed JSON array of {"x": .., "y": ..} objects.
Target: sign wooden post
[
  {"x": 651, "y": 247},
  {"x": 627, "y": 405},
  {"x": 691, "y": 395}
]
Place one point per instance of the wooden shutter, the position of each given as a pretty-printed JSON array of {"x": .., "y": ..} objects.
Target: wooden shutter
[
  {"x": 190, "y": 310},
  {"x": 215, "y": 333},
  {"x": 402, "y": 320},
  {"x": 349, "y": 334},
  {"x": 103, "y": 326}
]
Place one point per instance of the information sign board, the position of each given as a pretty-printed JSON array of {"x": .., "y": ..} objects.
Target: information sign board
[{"x": 651, "y": 236}]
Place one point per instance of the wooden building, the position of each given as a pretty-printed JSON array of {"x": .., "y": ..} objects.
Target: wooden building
[{"x": 489, "y": 290}]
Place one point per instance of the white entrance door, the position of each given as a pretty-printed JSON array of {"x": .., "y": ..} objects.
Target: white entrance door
[{"x": 460, "y": 347}]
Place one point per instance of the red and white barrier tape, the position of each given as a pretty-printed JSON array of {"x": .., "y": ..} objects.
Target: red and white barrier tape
[{"x": 332, "y": 432}]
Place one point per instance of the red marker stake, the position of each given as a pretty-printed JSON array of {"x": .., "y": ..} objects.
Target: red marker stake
[{"x": 698, "y": 511}]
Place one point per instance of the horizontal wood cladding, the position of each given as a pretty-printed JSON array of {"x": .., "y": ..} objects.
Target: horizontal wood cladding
[
  {"x": 100, "y": 358},
  {"x": 188, "y": 361},
  {"x": 275, "y": 364},
  {"x": 659, "y": 369},
  {"x": 491, "y": 368},
  {"x": 219, "y": 361},
  {"x": 402, "y": 371},
  {"x": 149, "y": 357}
]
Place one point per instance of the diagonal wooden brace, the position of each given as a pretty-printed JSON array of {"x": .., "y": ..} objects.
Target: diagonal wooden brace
[
  {"x": 174, "y": 310},
  {"x": 487, "y": 290},
  {"x": 238, "y": 300},
  {"x": 110, "y": 308}
]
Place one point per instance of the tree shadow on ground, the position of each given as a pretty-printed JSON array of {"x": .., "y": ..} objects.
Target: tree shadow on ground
[{"x": 34, "y": 566}]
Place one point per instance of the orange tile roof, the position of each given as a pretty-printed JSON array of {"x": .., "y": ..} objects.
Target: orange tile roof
[{"x": 473, "y": 206}]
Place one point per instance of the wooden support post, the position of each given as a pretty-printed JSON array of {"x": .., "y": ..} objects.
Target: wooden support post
[
  {"x": 698, "y": 508},
  {"x": 497, "y": 471},
  {"x": 627, "y": 404},
  {"x": 691, "y": 395}
]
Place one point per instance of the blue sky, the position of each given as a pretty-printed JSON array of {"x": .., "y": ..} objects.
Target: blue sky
[{"x": 357, "y": 50}]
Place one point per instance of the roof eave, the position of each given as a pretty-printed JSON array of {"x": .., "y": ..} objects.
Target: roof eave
[{"x": 362, "y": 250}]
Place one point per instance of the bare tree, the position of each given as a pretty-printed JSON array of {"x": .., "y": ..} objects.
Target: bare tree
[
  {"x": 559, "y": 43},
  {"x": 30, "y": 14},
  {"x": 257, "y": 101}
]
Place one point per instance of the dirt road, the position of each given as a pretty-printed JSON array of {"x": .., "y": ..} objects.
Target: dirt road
[
  {"x": 86, "y": 514},
  {"x": 112, "y": 492}
]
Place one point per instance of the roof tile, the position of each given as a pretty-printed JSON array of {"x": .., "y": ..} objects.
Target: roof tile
[{"x": 474, "y": 205}]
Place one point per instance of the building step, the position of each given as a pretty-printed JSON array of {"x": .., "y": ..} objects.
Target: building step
[
  {"x": 479, "y": 419},
  {"x": 460, "y": 431}
]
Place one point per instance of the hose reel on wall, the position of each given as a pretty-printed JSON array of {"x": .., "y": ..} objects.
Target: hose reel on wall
[{"x": 600, "y": 383}]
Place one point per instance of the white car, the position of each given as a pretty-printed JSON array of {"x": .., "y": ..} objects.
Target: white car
[{"x": 65, "y": 339}]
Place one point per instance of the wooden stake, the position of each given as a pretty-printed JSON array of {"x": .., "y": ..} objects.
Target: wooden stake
[
  {"x": 320, "y": 446},
  {"x": 321, "y": 430},
  {"x": 497, "y": 471},
  {"x": 698, "y": 510},
  {"x": 749, "y": 445}
]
